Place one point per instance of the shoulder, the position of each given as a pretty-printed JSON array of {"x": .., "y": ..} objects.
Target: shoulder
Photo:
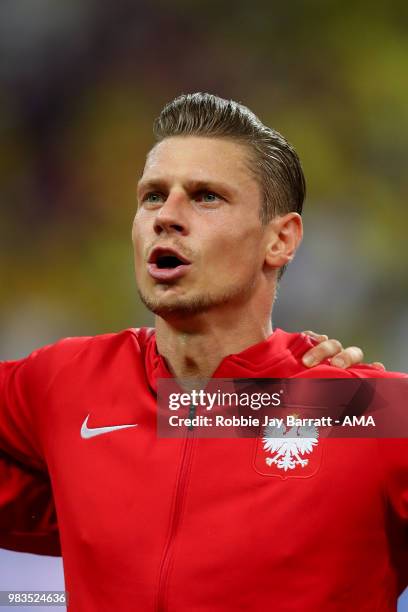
[
  {"x": 56, "y": 355},
  {"x": 326, "y": 370},
  {"x": 292, "y": 347},
  {"x": 299, "y": 343}
]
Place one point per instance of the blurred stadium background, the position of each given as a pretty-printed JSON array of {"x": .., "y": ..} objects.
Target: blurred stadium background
[{"x": 82, "y": 80}]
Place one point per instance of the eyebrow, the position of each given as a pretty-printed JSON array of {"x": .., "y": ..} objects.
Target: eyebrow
[{"x": 191, "y": 185}]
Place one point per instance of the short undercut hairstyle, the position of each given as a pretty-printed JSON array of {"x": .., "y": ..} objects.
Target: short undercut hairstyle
[{"x": 273, "y": 161}]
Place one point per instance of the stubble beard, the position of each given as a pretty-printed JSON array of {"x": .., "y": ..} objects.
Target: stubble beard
[{"x": 167, "y": 306}]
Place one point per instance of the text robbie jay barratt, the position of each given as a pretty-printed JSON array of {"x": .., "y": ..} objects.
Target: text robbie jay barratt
[{"x": 289, "y": 421}]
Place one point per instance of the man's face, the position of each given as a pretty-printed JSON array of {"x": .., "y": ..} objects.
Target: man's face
[{"x": 197, "y": 235}]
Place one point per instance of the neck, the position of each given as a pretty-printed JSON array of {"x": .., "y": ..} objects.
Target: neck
[{"x": 194, "y": 346}]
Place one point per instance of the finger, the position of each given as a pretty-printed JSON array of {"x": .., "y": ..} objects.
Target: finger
[
  {"x": 324, "y": 350},
  {"x": 378, "y": 365},
  {"x": 349, "y": 356},
  {"x": 316, "y": 336}
]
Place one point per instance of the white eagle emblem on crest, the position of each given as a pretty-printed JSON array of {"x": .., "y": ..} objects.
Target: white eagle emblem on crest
[{"x": 287, "y": 446}]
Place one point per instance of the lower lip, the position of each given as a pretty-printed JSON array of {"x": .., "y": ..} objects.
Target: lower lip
[{"x": 167, "y": 274}]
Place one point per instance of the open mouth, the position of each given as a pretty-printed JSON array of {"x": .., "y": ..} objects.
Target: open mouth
[
  {"x": 167, "y": 264},
  {"x": 168, "y": 261}
]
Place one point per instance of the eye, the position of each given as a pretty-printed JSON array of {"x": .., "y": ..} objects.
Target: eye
[
  {"x": 207, "y": 197},
  {"x": 152, "y": 197},
  {"x": 151, "y": 200}
]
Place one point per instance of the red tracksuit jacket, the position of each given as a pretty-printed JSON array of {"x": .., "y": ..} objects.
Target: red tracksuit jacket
[{"x": 191, "y": 525}]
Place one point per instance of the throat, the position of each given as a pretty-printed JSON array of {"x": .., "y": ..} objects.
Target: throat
[
  {"x": 189, "y": 356},
  {"x": 197, "y": 354},
  {"x": 194, "y": 367}
]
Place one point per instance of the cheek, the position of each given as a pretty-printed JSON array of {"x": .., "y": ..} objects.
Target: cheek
[
  {"x": 233, "y": 258},
  {"x": 137, "y": 238},
  {"x": 241, "y": 248}
]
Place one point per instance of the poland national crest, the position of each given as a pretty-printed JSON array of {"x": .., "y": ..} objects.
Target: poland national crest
[{"x": 288, "y": 451}]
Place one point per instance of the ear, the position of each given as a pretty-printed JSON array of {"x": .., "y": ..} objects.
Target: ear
[{"x": 284, "y": 237}]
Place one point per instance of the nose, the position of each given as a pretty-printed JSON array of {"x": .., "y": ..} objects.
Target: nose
[{"x": 171, "y": 217}]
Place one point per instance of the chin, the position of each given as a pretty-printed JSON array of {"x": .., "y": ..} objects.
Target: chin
[
  {"x": 170, "y": 304},
  {"x": 167, "y": 305}
]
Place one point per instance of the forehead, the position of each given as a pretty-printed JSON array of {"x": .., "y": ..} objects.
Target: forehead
[{"x": 202, "y": 159}]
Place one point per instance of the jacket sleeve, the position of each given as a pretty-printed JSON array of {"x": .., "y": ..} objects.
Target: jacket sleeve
[{"x": 27, "y": 513}]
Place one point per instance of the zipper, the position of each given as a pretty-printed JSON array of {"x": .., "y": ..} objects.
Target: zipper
[{"x": 177, "y": 509}]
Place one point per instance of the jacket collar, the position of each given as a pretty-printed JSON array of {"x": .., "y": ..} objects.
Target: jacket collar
[{"x": 277, "y": 356}]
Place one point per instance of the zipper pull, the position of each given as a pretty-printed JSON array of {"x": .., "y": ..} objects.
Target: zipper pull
[{"x": 191, "y": 415}]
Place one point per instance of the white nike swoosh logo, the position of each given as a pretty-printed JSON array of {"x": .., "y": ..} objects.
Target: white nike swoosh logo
[{"x": 87, "y": 432}]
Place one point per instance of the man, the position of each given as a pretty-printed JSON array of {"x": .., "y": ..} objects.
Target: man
[{"x": 194, "y": 524}]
